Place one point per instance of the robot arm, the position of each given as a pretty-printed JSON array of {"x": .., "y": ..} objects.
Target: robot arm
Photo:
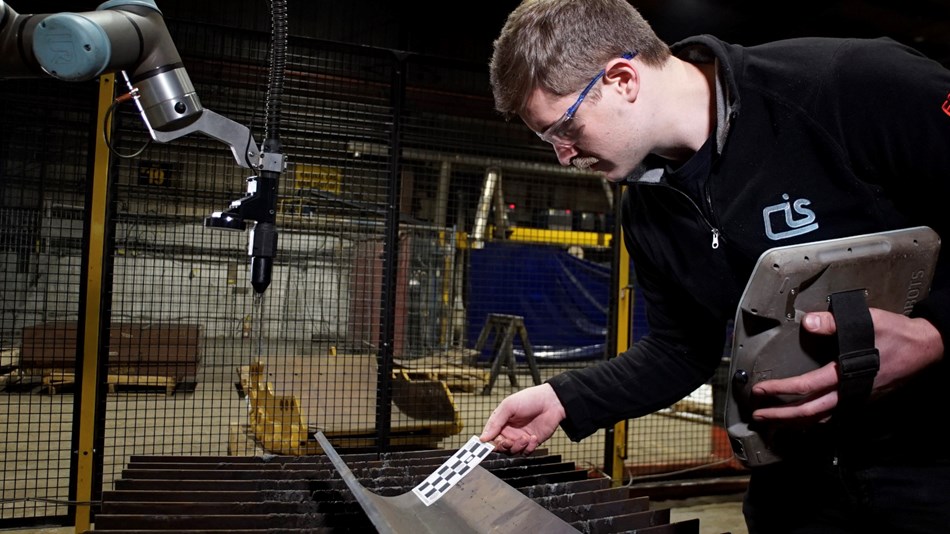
[
  {"x": 120, "y": 35},
  {"x": 130, "y": 36}
]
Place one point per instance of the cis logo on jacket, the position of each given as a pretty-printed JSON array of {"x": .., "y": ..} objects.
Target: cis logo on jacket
[{"x": 780, "y": 222}]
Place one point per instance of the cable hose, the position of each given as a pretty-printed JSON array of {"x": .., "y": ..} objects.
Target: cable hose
[{"x": 275, "y": 86}]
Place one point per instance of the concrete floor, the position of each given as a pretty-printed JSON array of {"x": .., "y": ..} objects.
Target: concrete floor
[{"x": 717, "y": 514}]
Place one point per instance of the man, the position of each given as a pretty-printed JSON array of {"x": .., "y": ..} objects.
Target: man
[{"x": 706, "y": 135}]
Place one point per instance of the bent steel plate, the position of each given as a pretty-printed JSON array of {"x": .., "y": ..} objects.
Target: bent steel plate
[
  {"x": 478, "y": 503},
  {"x": 895, "y": 269}
]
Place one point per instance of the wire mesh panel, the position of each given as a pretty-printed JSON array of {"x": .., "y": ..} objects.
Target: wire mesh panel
[
  {"x": 431, "y": 259},
  {"x": 43, "y": 171}
]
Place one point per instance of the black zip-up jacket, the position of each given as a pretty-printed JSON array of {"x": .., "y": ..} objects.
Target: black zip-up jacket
[{"x": 855, "y": 133}]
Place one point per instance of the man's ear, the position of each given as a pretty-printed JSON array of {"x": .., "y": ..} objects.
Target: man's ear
[{"x": 624, "y": 74}]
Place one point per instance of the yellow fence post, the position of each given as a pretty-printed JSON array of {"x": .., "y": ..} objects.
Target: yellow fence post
[
  {"x": 622, "y": 326},
  {"x": 92, "y": 313}
]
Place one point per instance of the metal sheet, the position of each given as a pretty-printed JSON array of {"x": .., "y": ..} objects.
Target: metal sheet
[{"x": 480, "y": 502}]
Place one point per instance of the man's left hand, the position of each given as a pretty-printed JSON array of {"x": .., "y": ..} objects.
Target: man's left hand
[{"x": 906, "y": 347}]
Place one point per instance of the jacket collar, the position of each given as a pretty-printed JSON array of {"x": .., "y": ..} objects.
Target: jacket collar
[{"x": 703, "y": 49}]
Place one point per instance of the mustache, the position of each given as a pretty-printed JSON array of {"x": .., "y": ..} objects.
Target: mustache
[{"x": 584, "y": 162}]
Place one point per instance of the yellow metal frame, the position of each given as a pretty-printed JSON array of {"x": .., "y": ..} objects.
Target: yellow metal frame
[
  {"x": 92, "y": 312},
  {"x": 560, "y": 237},
  {"x": 622, "y": 327},
  {"x": 542, "y": 236}
]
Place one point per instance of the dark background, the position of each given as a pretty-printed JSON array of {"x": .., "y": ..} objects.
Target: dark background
[{"x": 466, "y": 31}]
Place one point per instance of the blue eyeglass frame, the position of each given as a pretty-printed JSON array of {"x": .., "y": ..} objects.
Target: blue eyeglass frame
[{"x": 550, "y": 133}]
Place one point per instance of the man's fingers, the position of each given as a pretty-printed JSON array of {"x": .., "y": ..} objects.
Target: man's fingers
[
  {"x": 496, "y": 422},
  {"x": 819, "y": 323},
  {"x": 512, "y": 441},
  {"x": 820, "y": 380},
  {"x": 532, "y": 445},
  {"x": 807, "y": 397},
  {"x": 489, "y": 433},
  {"x": 816, "y": 410},
  {"x": 525, "y": 444}
]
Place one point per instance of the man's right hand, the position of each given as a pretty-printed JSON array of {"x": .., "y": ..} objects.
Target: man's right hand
[{"x": 524, "y": 420}]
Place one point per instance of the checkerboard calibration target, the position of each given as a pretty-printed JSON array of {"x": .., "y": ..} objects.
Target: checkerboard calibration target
[{"x": 452, "y": 470}]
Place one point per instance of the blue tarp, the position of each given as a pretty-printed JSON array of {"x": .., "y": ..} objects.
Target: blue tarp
[{"x": 564, "y": 300}]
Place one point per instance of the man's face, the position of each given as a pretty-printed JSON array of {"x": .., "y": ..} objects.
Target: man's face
[{"x": 587, "y": 131}]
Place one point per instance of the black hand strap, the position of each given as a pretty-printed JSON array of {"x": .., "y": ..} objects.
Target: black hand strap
[{"x": 858, "y": 359}]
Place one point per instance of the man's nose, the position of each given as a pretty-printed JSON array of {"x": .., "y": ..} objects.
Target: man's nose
[{"x": 564, "y": 154}]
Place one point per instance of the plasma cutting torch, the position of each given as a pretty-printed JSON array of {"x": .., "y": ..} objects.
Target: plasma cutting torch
[{"x": 130, "y": 36}]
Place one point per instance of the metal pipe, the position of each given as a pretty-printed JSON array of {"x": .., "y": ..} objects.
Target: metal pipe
[
  {"x": 484, "y": 206},
  {"x": 501, "y": 214},
  {"x": 442, "y": 193},
  {"x": 360, "y": 149}
]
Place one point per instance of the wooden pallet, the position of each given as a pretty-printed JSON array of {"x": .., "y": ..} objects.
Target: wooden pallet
[
  {"x": 9, "y": 367},
  {"x": 459, "y": 379},
  {"x": 54, "y": 381},
  {"x": 699, "y": 402},
  {"x": 10, "y": 377},
  {"x": 9, "y": 358},
  {"x": 454, "y": 368}
]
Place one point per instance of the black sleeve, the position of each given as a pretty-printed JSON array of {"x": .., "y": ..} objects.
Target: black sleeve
[
  {"x": 683, "y": 348},
  {"x": 650, "y": 376}
]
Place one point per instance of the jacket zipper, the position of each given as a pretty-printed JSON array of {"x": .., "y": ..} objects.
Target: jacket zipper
[
  {"x": 716, "y": 234},
  {"x": 715, "y": 231}
]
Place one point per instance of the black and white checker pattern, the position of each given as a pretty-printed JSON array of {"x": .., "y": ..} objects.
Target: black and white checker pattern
[{"x": 449, "y": 473}]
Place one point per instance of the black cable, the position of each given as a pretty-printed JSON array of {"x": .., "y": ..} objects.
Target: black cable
[
  {"x": 278, "y": 57},
  {"x": 105, "y": 133}
]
